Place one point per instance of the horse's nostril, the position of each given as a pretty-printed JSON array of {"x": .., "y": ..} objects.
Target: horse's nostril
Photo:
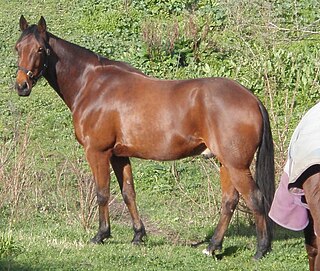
[
  {"x": 23, "y": 88},
  {"x": 24, "y": 85}
]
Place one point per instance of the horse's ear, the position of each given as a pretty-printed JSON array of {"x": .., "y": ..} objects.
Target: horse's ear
[
  {"x": 42, "y": 25},
  {"x": 23, "y": 23}
]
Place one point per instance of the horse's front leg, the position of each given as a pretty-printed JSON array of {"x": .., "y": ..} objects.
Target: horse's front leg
[
  {"x": 100, "y": 166},
  {"x": 123, "y": 171},
  {"x": 311, "y": 189},
  {"x": 310, "y": 243}
]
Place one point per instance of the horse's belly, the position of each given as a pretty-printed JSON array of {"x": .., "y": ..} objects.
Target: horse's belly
[{"x": 156, "y": 152}]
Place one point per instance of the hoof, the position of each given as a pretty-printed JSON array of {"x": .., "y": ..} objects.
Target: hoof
[
  {"x": 139, "y": 235},
  {"x": 210, "y": 250},
  {"x": 207, "y": 252},
  {"x": 138, "y": 239},
  {"x": 260, "y": 254},
  {"x": 96, "y": 241},
  {"x": 137, "y": 242},
  {"x": 257, "y": 256},
  {"x": 100, "y": 236}
]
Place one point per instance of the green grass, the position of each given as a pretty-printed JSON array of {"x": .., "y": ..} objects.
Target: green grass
[
  {"x": 47, "y": 214},
  {"x": 57, "y": 246}
]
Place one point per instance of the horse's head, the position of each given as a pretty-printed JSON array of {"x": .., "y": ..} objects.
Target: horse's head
[{"x": 33, "y": 51}]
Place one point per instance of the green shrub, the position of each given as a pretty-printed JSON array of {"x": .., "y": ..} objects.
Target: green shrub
[{"x": 8, "y": 246}]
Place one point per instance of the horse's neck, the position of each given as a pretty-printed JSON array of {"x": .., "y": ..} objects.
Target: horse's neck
[{"x": 66, "y": 66}]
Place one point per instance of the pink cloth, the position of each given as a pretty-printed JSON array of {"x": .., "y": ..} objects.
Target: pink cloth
[{"x": 287, "y": 210}]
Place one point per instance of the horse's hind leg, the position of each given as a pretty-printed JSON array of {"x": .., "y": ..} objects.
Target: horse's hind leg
[
  {"x": 311, "y": 189},
  {"x": 122, "y": 169},
  {"x": 230, "y": 198},
  {"x": 244, "y": 183}
]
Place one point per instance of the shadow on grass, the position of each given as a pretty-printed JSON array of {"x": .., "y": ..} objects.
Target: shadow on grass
[
  {"x": 240, "y": 229},
  {"x": 237, "y": 230},
  {"x": 250, "y": 231},
  {"x": 280, "y": 233},
  {"x": 229, "y": 251},
  {"x": 11, "y": 265}
]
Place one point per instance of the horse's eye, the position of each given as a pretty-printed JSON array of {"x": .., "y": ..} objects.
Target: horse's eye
[{"x": 40, "y": 50}]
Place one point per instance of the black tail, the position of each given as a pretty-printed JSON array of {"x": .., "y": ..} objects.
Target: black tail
[{"x": 265, "y": 175}]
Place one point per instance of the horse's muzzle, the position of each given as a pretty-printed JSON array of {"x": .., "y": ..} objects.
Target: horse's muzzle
[{"x": 23, "y": 89}]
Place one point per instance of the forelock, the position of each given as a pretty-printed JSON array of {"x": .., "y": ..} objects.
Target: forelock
[{"x": 32, "y": 29}]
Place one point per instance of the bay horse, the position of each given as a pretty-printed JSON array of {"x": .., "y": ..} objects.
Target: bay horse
[{"x": 118, "y": 112}]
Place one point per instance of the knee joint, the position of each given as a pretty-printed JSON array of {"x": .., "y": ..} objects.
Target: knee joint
[
  {"x": 230, "y": 204},
  {"x": 102, "y": 199},
  {"x": 256, "y": 202},
  {"x": 311, "y": 251},
  {"x": 127, "y": 196}
]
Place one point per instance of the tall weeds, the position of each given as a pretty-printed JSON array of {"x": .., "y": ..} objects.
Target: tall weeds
[
  {"x": 15, "y": 169},
  {"x": 87, "y": 207},
  {"x": 27, "y": 190}
]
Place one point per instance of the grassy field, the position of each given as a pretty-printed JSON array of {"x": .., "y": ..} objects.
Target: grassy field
[{"x": 47, "y": 204}]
